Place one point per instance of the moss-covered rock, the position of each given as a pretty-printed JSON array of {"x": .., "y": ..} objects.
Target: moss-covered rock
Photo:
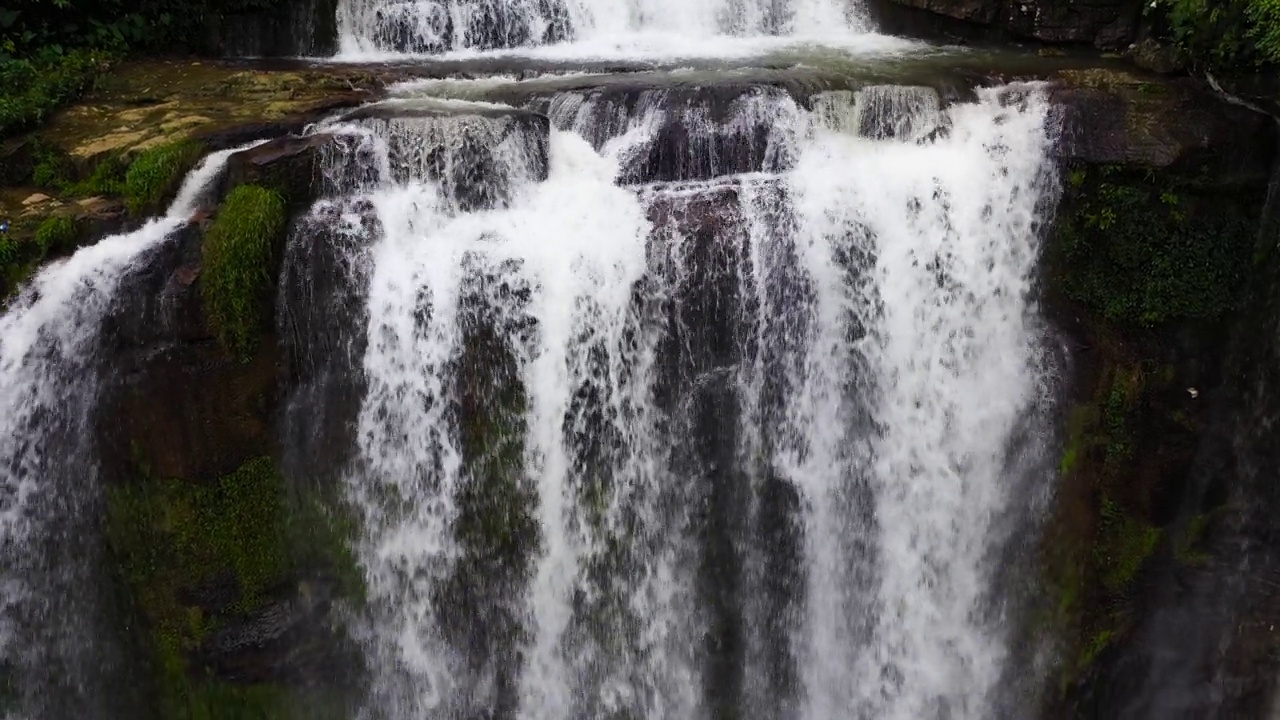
[
  {"x": 1146, "y": 249},
  {"x": 207, "y": 563},
  {"x": 242, "y": 248},
  {"x": 1145, "y": 268}
]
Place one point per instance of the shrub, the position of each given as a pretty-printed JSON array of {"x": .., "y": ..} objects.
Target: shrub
[
  {"x": 239, "y": 252},
  {"x": 30, "y": 90},
  {"x": 56, "y": 233},
  {"x": 1224, "y": 35}
]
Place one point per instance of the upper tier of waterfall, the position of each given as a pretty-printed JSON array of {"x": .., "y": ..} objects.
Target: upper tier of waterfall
[{"x": 583, "y": 29}]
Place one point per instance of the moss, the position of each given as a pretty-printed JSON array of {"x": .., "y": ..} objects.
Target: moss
[
  {"x": 1124, "y": 544},
  {"x": 240, "y": 250},
  {"x": 218, "y": 701},
  {"x": 198, "y": 555},
  {"x": 1145, "y": 251},
  {"x": 56, "y": 234},
  {"x": 156, "y": 174},
  {"x": 1094, "y": 648},
  {"x": 27, "y": 244},
  {"x": 1189, "y": 550}
]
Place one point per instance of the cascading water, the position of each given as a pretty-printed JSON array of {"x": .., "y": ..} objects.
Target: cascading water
[
  {"x": 433, "y": 26},
  {"x": 50, "y": 628},
  {"x": 684, "y": 398},
  {"x": 698, "y": 449}
]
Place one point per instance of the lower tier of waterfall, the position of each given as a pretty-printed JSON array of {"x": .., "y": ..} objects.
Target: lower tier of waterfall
[
  {"x": 667, "y": 402},
  {"x": 749, "y": 444}
]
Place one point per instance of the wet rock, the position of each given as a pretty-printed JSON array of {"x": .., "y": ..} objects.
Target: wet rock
[
  {"x": 1151, "y": 55},
  {"x": 290, "y": 165},
  {"x": 36, "y": 199},
  {"x": 1106, "y": 24},
  {"x": 1118, "y": 117},
  {"x": 288, "y": 640},
  {"x": 476, "y": 153},
  {"x": 176, "y": 401}
]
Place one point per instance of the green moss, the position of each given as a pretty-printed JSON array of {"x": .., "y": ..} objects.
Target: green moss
[
  {"x": 56, "y": 234},
  {"x": 25, "y": 246},
  {"x": 1142, "y": 251},
  {"x": 240, "y": 250},
  {"x": 1189, "y": 549},
  {"x": 218, "y": 701},
  {"x": 1124, "y": 544},
  {"x": 172, "y": 536},
  {"x": 1094, "y": 648},
  {"x": 156, "y": 174},
  {"x": 174, "y": 541},
  {"x": 1126, "y": 388}
]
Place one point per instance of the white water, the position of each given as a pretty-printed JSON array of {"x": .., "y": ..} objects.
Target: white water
[
  {"x": 580, "y": 29},
  {"x": 48, "y": 384},
  {"x": 882, "y": 352}
]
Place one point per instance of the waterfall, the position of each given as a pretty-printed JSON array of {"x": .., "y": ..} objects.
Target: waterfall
[
  {"x": 668, "y": 26},
  {"x": 49, "y": 624},
  {"x": 718, "y": 432},
  {"x": 690, "y": 396}
]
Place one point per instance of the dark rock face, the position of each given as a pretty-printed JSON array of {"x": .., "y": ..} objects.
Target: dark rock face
[
  {"x": 1204, "y": 644},
  {"x": 287, "y": 29},
  {"x": 1108, "y": 24},
  {"x": 290, "y": 165},
  {"x": 1170, "y": 488},
  {"x": 1116, "y": 117},
  {"x": 741, "y": 552},
  {"x": 177, "y": 402}
]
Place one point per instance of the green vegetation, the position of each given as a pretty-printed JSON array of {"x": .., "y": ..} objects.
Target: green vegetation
[
  {"x": 51, "y": 51},
  {"x": 53, "y": 169},
  {"x": 32, "y": 88},
  {"x": 156, "y": 174},
  {"x": 56, "y": 233},
  {"x": 1223, "y": 34},
  {"x": 1189, "y": 549},
  {"x": 1124, "y": 544},
  {"x": 1151, "y": 263},
  {"x": 240, "y": 250},
  {"x": 1145, "y": 253},
  {"x": 197, "y": 555}
]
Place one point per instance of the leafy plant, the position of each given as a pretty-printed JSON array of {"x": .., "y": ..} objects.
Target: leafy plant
[
  {"x": 56, "y": 233},
  {"x": 1224, "y": 34}
]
